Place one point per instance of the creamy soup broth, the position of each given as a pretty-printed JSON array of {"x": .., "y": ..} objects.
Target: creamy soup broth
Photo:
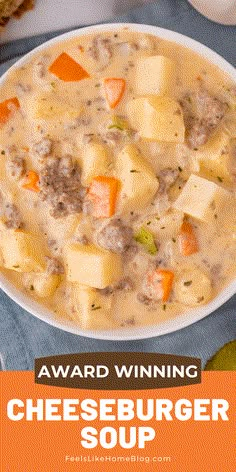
[{"x": 118, "y": 164}]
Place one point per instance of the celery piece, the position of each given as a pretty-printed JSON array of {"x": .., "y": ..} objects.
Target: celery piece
[
  {"x": 118, "y": 123},
  {"x": 146, "y": 238}
]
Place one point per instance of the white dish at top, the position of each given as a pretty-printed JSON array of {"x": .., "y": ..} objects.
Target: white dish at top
[
  {"x": 170, "y": 325},
  {"x": 220, "y": 11}
]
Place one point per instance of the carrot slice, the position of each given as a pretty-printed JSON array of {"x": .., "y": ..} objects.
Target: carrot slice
[
  {"x": 7, "y": 108},
  {"x": 114, "y": 90},
  {"x": 160, "y": 281},
  {"x": 188, "y": 239},
  {"x": 32, "y": 181},
  {"x": 67, "y": 69},
  {"x": 103, "y": 194}
]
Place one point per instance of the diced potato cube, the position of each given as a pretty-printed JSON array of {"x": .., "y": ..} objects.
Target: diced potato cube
[
  {"x": 49, "y": 106},
  {"x": 193, "y": 287},
  {"x": 46, "y": 284},
  {"x": 95, "y": 162},
  {"x": 214, "y": 158},
  {"x": 92, "y": 266},
  {"x": 43, "y": 284},
  {"x": 91, "y": 309},
  {"x": 139, "y": 182},
  {"x": 155, "y": 75},
  {"x": 225, "y": 211},
  {"x": 157, "y": 119},
  {"x": 21, "y": 251},
  {"x": 197, "y": 197},
  {"x": 166, "y": 227},
  {"x": 65, "y": 227}
]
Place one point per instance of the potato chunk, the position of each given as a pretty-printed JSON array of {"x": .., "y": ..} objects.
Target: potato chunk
[
  {"x": 197, "y": 197},
  {"x": 95, "y": 162},
  {"x": 214, "y": 158},
  {"x": 167, "y": 227},
  {"x": 139, "y": 182},
  {"x": 46, "y": 284},
  {"x": 91, "y": 309},
  {"x": 193, "y": 287},
  {"x": 157, "y": 119},
  {"x": 155, "y": 75},
  {"x": 21, "y": 251},
  {"x": 92, "y": 266},
  {"x": 43, "y": 284},
  {"x": 49, "y": 106}
]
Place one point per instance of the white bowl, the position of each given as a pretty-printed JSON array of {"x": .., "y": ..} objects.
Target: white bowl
[
  {"x": 168, "y": 326},
  {"x": 223, "y": 12}
]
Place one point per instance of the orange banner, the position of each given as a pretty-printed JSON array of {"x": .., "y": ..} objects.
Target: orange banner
[{"x": 182, "y": 429}]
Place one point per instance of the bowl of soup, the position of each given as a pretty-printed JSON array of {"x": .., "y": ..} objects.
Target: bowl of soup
[{"x": 117, "y": 181}]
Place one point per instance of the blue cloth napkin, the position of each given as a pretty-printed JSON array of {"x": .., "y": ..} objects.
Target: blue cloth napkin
[{"x": 23, "y": 337}]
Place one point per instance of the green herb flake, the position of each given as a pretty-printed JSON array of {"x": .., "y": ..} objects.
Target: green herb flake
[
  {"x": 16, "y": 266},
  {"x": 53, "y": 84},
  {"x": 148, "y": 223},
  {"x": 97, "y": 85},
  {"x": 3, "y": 153},
  {"x": 180, "y": 169},
  {"x": 134, "y": 171},
  {"x": 146, "y": 238},
  {"x": 219, "y": 178},
  {"x": 93, "y": 308},
  {"x": 164, "y": 307},
  {"x": 31, "y": 287},
  {"x": 188, "y": 283},
  {"x": 174, "y": 240}
]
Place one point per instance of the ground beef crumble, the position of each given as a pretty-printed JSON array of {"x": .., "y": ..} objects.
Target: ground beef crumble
[
  {"x": 54, "y": 266},
  {"x": 60, "y": 186},
  {"x": 115, "y": 236},
  {"x": 202, "y": 114},
  {"x": 13, "y": 217}
]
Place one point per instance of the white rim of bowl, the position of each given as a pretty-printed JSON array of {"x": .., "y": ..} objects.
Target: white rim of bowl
[{"x": 140, "y": 332}]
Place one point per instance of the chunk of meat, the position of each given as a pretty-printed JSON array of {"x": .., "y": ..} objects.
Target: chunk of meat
[
  {"x": 23, "y": 88},
  {"x": 54, "y": 266},
  {"x": 101, "y": 51},
  {"x": 13, "y": 217},
  {"x": 43, "y": 148},
  {"x": 142, "y": 298},
  {"x": 115, "y": 236},
  {"x": 202, "y": 114},
  {"x": 40, "y": 68},
  {"x": 60, "y": 186},
  {"x": 125, "y": 284},
  {"x": 198, "y": 134},
  {"x": 113, "y": 137},
  {"x": 16, "y": 166},
  {"x": 167, "y": 177},
  {"x": 116, "y": 137},
  {"x": 82, "y": 239}
]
